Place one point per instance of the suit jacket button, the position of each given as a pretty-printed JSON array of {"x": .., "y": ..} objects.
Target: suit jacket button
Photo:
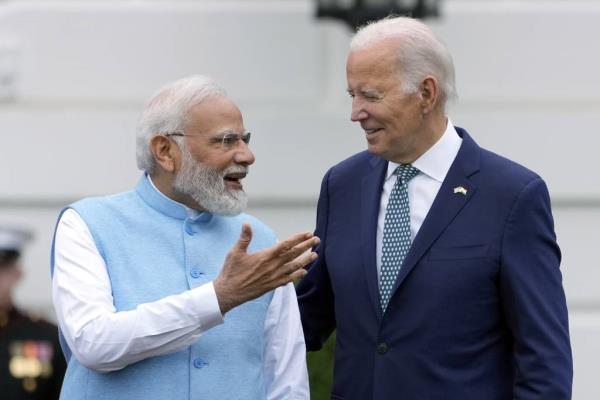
[{"x": 382, "y": 348}]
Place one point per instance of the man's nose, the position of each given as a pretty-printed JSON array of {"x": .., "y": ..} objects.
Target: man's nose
[
  {"x": 243, "y": 154},
  {"x": 358, "y": 112}
]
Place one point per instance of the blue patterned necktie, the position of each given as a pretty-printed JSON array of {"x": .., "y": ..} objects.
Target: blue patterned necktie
[{"x": 396, "y": 232}]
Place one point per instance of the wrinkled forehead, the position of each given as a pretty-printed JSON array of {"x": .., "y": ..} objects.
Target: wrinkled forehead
[{"x": 214, "y": 115}]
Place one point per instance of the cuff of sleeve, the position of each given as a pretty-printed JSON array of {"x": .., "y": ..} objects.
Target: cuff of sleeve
[{"x": 204, "y": 301}]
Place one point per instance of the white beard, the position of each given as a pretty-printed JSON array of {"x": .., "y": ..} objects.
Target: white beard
[{"x": 205, "y": 185}]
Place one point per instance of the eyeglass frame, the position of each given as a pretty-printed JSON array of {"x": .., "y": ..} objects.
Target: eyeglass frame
[{"x": 244, "y": 137}]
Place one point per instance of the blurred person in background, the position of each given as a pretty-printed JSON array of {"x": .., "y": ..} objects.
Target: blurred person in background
[
  {"x": 157, "y": 293},
  {"x": 438, "y": 263},
  {"x": 31, "y": 363}
]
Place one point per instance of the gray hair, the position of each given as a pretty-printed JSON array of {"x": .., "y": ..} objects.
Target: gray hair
[
  {"x": 420, "y": 52},
  {"x": 167, "y": 112}
]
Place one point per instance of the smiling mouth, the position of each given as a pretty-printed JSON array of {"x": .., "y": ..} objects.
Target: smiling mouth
[
  {"x": 372, "y": 131},
  {"x": 235, "y": 179}
]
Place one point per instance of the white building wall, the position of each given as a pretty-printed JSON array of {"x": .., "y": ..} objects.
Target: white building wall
[{"x": 74, "y": 76}]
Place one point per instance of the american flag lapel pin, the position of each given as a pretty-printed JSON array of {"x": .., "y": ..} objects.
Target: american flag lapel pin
[{"x": 461, "y": 190}]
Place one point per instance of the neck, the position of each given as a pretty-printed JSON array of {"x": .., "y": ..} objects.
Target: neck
[
  {"x": 164, "y": 184},
  {"x": 434, "y": 127},
  {"x": 435, "y": 130}
]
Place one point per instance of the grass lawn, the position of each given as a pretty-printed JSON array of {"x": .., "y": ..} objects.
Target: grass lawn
[{"x": 320, "y": 370}]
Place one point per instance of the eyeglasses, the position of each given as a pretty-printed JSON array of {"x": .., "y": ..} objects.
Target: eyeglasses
[{"x": 228, "y": 141}]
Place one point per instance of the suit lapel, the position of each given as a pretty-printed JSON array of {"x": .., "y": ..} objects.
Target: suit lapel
[
  {"x": 447, "y": 204},
  {"x": 371, "y": 186}
]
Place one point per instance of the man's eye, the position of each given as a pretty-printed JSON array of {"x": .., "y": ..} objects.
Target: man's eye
[{"x": 230, "y": 140}]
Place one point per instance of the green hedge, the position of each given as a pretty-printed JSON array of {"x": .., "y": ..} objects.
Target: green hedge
[{"x": 320, "y": 370}]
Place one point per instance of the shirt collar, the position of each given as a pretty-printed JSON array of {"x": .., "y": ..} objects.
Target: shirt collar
[
  {"x": 190, "y": 212},
  {"x": 436, "y": 161}
]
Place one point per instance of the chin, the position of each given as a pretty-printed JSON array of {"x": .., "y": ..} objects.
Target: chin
[{"x": 374, "y": 149}]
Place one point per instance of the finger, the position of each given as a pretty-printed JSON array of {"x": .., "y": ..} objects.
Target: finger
[
  {"x": 301, "y": 248},
  {"x": 298, "y": 274},
  {"x": 288, "y": 244},
  {"x": 245, "y": 238},
  {"x": 298, "y": 264},
  {"x": 301, "y": 261},
  {"x": 293, "y": 277}
]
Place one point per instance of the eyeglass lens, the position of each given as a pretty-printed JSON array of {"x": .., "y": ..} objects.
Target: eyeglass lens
[{"x": 231, "y": 139}]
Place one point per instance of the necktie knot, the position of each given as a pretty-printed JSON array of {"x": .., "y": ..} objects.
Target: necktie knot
[{"x": 406, "y": 172}]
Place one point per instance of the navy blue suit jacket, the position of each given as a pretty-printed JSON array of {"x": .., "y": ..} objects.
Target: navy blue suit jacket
[{"x": 478, "y": 310}]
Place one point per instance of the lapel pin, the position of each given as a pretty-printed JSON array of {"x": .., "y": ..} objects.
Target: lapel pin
[{"x": 460, "y": 189}]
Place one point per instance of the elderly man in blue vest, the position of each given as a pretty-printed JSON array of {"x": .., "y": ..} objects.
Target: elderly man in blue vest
[{"x": 168, "y": 291}]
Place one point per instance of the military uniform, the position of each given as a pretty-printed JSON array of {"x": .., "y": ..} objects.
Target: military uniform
[{"x": 31, "y": 363}]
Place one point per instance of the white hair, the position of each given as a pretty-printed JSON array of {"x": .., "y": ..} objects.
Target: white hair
[
  {"x": 419, "y": 52},
  {"x": 167, "y": 112}
]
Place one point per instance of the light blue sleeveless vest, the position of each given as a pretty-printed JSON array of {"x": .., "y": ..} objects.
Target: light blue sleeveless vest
[{"x": 153, "y": 250}]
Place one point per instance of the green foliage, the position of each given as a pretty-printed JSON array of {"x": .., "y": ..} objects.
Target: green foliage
[{"x": 320, "y": 370}]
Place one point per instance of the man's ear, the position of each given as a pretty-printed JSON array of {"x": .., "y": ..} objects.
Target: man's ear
[
  {"x": 429, "y": 91},
  {"x": 165, "y": 152}
]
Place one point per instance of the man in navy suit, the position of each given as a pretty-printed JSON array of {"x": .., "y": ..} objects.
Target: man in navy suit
[{"x": 438, "y": 263}]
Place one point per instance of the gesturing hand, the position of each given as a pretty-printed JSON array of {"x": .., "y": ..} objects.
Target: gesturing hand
[{"x": 246, "y": 276}]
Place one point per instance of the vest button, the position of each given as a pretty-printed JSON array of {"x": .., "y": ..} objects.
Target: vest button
[
  {"x": 200, "y": 363},
  {"x": 189, "y": 229},
  {"x": 196, "y": 273},
  {"x": 382, "y": 348}
]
